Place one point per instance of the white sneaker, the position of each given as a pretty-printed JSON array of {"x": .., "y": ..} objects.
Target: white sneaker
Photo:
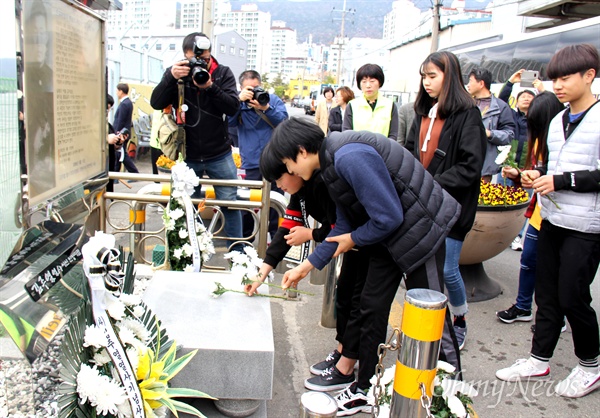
[
  {"x": 524, "y": 369},
  {"x": 579, "y": 383},
  {"x": 517, "y": 244}
]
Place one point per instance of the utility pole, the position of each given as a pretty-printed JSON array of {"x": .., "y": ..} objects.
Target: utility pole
[
  {"x": 207, "y": 19},
  {"x": 435, "y": 30},
  {"x": 340, "y": 42}
]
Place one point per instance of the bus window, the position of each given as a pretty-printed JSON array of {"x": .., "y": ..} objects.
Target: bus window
[
  {"x": 534, "y": 54},
  {"x": 498, "y": 60}
]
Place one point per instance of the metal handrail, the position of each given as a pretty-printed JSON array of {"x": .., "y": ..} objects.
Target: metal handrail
[{"x": 139, "y": 201}]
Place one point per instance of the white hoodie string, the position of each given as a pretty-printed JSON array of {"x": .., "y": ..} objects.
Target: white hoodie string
[{"x": 432, "y": 116}]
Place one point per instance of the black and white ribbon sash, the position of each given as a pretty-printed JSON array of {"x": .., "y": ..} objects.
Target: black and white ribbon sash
[
  {"x": 103, "y": 278},
  {"x": 191, "y": 226}
]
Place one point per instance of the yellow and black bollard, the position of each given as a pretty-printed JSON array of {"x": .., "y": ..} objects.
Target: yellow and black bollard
[{"x": 422, "y": 326}]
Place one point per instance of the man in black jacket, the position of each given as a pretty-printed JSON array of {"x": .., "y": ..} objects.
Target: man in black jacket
[
  {"x": 208, "y": 147},
  {"x": 121, "y": 122}
]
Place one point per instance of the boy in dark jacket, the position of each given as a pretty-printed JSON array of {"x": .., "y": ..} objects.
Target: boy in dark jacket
[{"x": 389, "y": 206}]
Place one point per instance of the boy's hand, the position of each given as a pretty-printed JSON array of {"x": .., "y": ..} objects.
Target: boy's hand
[
  {"x": 344, "y": 241},
  {"x": 298, "y": 235},
  {"x": 251, "y": 289},
  {"x": 293, "y": 276}
]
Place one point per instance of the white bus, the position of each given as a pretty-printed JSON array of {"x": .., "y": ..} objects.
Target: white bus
[{"x": 532, "y": 51}]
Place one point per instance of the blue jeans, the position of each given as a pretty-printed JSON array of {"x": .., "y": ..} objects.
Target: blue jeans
[
  {"x": 455, "y": 285},
  {"x": 222, "y": 168},
  {"x": 528, "y": 267}
]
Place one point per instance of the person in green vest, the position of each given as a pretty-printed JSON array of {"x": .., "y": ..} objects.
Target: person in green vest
[{"x": 371, "y": 112}]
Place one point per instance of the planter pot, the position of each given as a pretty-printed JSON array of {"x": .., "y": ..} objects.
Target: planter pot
[{"x": 495, "y": 227}]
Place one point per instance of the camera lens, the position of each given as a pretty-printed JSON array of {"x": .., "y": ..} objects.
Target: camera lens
[
  {"x": 200, "y": 75},
  {"x": 261, "y": 96}
]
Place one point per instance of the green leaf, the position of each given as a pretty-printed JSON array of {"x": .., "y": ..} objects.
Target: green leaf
[
  {"x": 187, "y": 393},
  {"x": 187, "y": 409},
  {"x": 179, "y": 364}
]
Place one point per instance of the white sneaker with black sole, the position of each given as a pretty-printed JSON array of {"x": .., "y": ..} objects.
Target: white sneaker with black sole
[
  {"x": 331, "y": 379},
  {"x": 352, "y": 401}
]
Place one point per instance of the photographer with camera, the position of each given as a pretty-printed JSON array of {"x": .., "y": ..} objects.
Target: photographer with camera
[
  {"x": 258, "y": 114},
  {"x": 210, "y": 95}
]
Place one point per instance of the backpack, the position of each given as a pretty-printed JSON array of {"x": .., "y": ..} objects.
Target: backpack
[{"x": 171, "y": 137}]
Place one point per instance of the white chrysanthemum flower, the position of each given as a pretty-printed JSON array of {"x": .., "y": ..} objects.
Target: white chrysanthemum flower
[
  {"x": 447, "y": 367},
  {"x": 124, "y": 410},
  {"x": 127, "y": 336},
  {"x": 503, "y": 150},
  {"x": 451, "y": 387},
  {"x": 177, "y": 253},
  {"x": 200, "y": 228},
  {"x": 138, "y": 311},
  {"x": 189, "y": 268},
  {"x": 114, "y": 307},
  {"x": 134, "y": 358},
  {"x": 183, "y": 234},
  {"x": 184, "y": 178},
  {"x": 176, "y": 213},
  {"x": 108, "y": 395},
  {"x": 456, "y": 407},
  {"x": 130, "y": 300},
  {"x": 94, "y": 336},
  {"x": 187, "y": 250},
  {"x": 169, "y": 224},
  {"x": 250, "y": 251},
  {"x": 88, "y": 380},
  {"x": 101, "y": 358},
  {"x": 138, "y": 329}
]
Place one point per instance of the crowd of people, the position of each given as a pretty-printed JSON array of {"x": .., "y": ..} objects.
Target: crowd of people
[{"x": 424, "y": 163}]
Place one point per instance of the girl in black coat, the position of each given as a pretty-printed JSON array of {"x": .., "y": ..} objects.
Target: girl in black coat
[{"x": 448, "y": 137}]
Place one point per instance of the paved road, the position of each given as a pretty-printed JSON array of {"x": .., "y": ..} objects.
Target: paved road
[{"x": 300, "y": 340}]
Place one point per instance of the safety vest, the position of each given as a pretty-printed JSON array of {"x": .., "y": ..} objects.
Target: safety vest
[{"x": 366, "y": 119}]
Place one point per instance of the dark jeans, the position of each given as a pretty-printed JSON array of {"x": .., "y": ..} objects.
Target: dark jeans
[
  {"x": 222, "y": 168},
  {"x": 528, "y": 268},
  {"x": 248, "y": 219},
  {"x": 567, "y": 264},
  {"x": 366, "y": 331}
]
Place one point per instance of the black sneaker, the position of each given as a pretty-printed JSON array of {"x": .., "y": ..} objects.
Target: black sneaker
[
  {"x": 513, "y": 314},
  {"x": 331, "y": 360},
  {"x": 563, "y": 329},
  {"x": 330, "y": 379},
  {"x": 352, "y": 401}
]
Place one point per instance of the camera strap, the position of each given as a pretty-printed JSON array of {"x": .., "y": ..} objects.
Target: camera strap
[
  {"x": 264, "y": 117},
  {"x": 180, "y": 116}
]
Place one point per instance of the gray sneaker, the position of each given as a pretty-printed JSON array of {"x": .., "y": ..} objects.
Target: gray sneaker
[
  {"x": 461, "y": 336},
  {"x": 330, "y": 379}
]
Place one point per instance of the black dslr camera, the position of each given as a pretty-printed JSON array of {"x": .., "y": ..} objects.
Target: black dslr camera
[
  {"x": 261, "y": 96},
  {"x": 199, "y": 67},
  {"x": 122, "y": 136}
]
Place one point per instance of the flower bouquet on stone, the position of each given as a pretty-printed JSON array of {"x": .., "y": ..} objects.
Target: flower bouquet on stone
[
  {"x": 116, "y": 359},
  {"x": 247, "y": 265},
  {"x": 451, "y": 398},
  {"x": 189, "y": 243}
]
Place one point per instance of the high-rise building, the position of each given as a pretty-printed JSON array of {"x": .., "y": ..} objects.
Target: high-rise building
[
  {"x": 254, "y": 26},
  {"x": 283, "y": 45},
  {"x": 402, "y": 19}
]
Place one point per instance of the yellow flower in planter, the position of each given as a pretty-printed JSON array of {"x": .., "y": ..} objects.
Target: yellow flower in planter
[{"x": 501, "y": 195}]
